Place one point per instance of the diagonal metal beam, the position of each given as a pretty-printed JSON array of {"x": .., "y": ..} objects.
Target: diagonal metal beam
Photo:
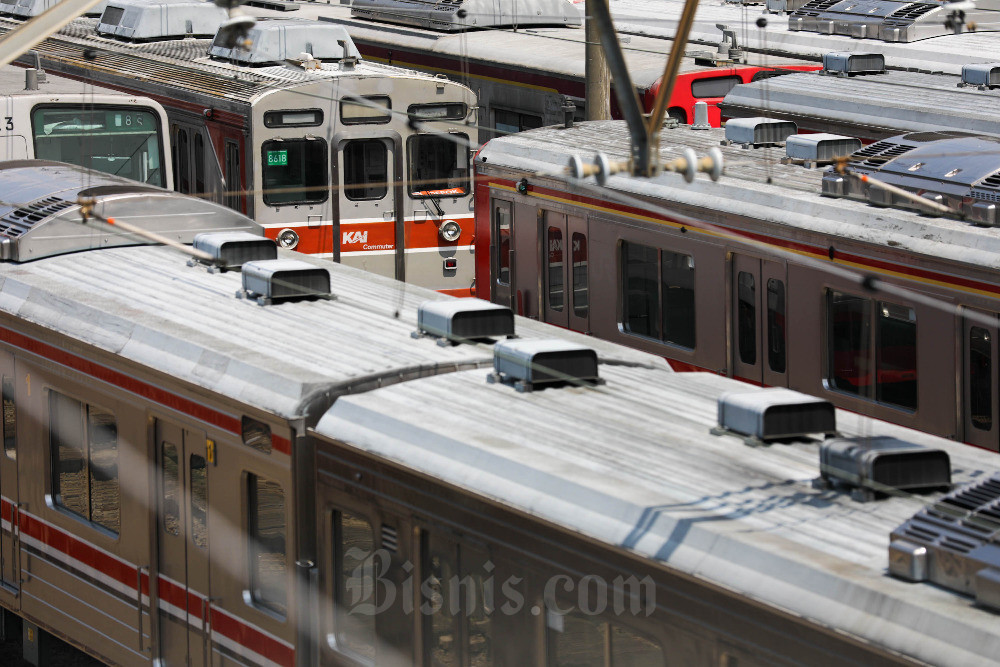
[{"x": 33, "y": 31}]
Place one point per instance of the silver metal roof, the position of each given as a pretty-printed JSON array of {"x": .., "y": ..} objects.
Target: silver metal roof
[
  {"x": 872, "y": 107},
  {"x": 40, "y": 211},
  {"x": 160, "y": 19},
  {"x": 631, "y": 464},
  {"x": 450, "y": 16},
  {"x": 273, "y": 41},
  {"x": 779, "y": 199},
  {"x": 895, "y": 20},
  {"x": 147, "y": 306}
]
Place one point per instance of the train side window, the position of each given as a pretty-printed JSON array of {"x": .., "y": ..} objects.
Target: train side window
[
  {"x": 980, "y": 378},
  {"x": 776, "y": 325},
  {"x": 554, "y": 268},
  {"x": 354, "y": 554},
  {"x": 294, "y": 171},
  {"x": 896, "y": 356},
  {"x": 169, "y": 465},
  {"x": 716, "y": 86},
  {"x": 678, "y": 298},
  {"x": 198, "y": 474},
  {"x": 746, "y": 317},
  {"x": 512, "y": 121},
  {"x": 501, "y": 232},
  {"x": 9, "y": 418},
  {"x": 256, "y": 434},
  {"x": 438, "y": 165},
  {"x": 366, "y": 169},
  {"x": 199, "y": 164},
  {"x": 575, "y": 640},
  {"x": 84, "y": 445},
  {"x": 849, "y": 323},
  {"x": 641, "y": 302},
  {"x": 267, "y": 544},
  {"x": 233, "y": 180},
  {"x": 183, "y": 162},
  {"x": 581, "y": 287}
]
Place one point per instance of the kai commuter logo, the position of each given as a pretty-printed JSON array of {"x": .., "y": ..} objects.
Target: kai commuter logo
[{"x": 355, "y": 237}]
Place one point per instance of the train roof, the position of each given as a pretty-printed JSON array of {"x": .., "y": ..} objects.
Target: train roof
[
  {"x": 631, "y": 464},
  {"x": 146, "y": 305},
  {"x": 658, "y": 18},
  {"x": 784, "y": 198},
  {"x": 870, "y": 107},
  {"x": 12, "y": 82}
]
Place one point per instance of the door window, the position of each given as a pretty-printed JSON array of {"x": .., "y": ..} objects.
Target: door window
[
  {"x": 267, "y": 535},
  {"x": 981, "y": 378},
  {"x": 746, "y": 318},
  {"x": 366, "y": 169},
  {"x": 554, "y": 268},
  {"x": 501, "y": 228},
  {"x": 776, "y": 325},
  {"x": 580, "y": 285},
  {"x": 294, "y": 171}
]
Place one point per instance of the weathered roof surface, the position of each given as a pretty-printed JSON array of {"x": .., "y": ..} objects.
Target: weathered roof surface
[
  {"x": 784, "y": 198},
  {"x": 631, "y": 464},
  {"x": 146, "y": 305},
  {"x": 876, "y": 106},
  {"x": 12, "y": 83}
]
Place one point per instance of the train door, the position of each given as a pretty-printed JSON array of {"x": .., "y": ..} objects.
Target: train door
[
  {"x": 565, "y": 270},
  {"x": 369, "y": 172},
  {"x": 501, "y": 253},
  {"x": 979, "y": 385},
  {"x": 759, "y": 306},
  {"x": 182, "y": 535},
  {"x": 9, "y": 566}
]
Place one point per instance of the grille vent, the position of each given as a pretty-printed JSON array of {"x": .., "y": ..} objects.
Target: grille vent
[
  {"x": 912, "y": 11},
  {"x": 20, "y": 220},
  {"x": 817, "y": 6},
  {"x": 878, "y": 154},
  {"x": 390, "y": 541}
]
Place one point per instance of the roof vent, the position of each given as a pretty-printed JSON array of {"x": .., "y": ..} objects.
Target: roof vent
[
  {"x": 462, "y": 320},
  {"x": 278, "y": 279},
  {"x": 231, "y": 250},
  {"x": 528, "y": 363},
  {"x": 29, "y": 8},
  {"x": 845, "y": 63},
  {"x": 758, "y": 131},
  {"x": 873, "y": 467},
  {"x": 160, "y": 19},
  {"x": 814, "y": 149},
  {"x": 982, "y": 75},
  {"x": 273, "y": 41},
  {"x": 772, "y": 414},
  {"x": 953, "y": 543}
]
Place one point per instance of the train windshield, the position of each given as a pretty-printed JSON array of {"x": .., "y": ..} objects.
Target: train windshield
[
  {"x": 439, "y": 165},
  {"x": 121, "y": 141}
]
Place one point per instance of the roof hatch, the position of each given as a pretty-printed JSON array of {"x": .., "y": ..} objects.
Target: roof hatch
[
  {"x": 956, "y": 169},
  {"x": 954, "y": 543},
  {"x": 451, "y": 16},
  {"x": 141, "y": 20},
  {"x": 273, "y": 41},
  {"x": 893, "y": 20}
]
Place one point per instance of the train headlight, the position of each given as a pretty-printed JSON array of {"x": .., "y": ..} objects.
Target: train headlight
[
  {"x": 287, "y": 238},
  {"x": 450, "y": 230}
]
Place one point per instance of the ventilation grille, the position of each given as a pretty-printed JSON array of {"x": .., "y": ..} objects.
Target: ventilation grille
[
  {"x": 911, "y": 11},
  {"x": 877, "y": 154},
  {"x": 20, "y": 220},
  {"x": 815, "y": 7},
  {"x": 390, "y": 541}
]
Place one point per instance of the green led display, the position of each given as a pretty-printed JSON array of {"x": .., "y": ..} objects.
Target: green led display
[{"x": 277, "y": 158}]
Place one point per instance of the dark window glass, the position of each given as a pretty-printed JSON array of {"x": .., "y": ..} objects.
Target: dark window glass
[
  {"x": 233, "y": 180},
  {"x": 716, "y": 86},
  {"x": 439, "y": 165},
  {"x": 84, "y": 445},
  {"x": 366, "y": 169},
  {"x": 850, "y": 332},
  {"x": 896, "y": 358},
  {"x": 354, "y": 546},
  {"x": 369, "y": 109},
  {"x": 199, "y": 164},
  {"x": 266, "y": 532},
  {"x": 512, "y": 121},
  {"x": 112, "y": 15},
  {"x": 981, "y": 378},
  {"x": 256, "y": 434},
  {"x": 501, "y": 222},
  {"x": 678, "y": 299},
  {"x": 476, "y": 598},
  {"x": 300, "y": 118},
  {"x": 449, "y": 111},
  {"x": 641, "y": 286},
  {"x": 113, "y": 140},
  {"x": 776, "y": 325},
  {"x": 294, "y": 171},
  {"x": 575, "y": 640},
  {"x": 746, "y": 317},
  {"x": 199, "y": 501},
  {"x": 580, "y": 286},
  {"x": 170, "y": 472},
  {"x": 9, "y": 418},
  {"x": 629, "y": 649},
  {"x": 183, "y": 156},
  {"x": 440, "y": 578},
  {"x": 554, "y": 268}
]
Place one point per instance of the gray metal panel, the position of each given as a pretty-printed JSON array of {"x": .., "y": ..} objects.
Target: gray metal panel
[
  {"x": 160, "y": 19},
  {"x": 652, "y": 482},
  {"x": 276, "y": 40},
  {"x": 451, "y": 16}
]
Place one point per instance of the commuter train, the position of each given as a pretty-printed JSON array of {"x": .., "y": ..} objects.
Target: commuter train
[
  {"x": 211, "y": 466},
  {"x": 732, "y": 276},
  {"x": 46, "y": 116},
  {"x": 338, "y": 157}
]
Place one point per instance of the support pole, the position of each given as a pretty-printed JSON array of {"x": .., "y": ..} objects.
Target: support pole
[
  {"x": 598, "y": 77},
  {"x": 670, "y": 72}
]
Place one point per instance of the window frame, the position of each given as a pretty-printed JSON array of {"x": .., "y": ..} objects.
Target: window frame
[
  {"x": 387, "y": 178},
  {"x": 467, "y": 180},
  {"x": 270, "y": 123},
  {"x": 252, "y": 593},
  {"x": 366, "y": 120},
  {"x": 657, "y": 327},
  {"x": 305, "y": 188}
]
